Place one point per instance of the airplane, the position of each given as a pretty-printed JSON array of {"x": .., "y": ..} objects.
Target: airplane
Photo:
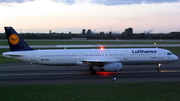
[{"x": 111, "y": 60}]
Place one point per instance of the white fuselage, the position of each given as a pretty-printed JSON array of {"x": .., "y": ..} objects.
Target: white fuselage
[{"x": 67, "y": 57}]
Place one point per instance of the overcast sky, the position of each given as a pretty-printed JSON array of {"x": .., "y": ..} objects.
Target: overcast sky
[{"x": 97, "y": 15}]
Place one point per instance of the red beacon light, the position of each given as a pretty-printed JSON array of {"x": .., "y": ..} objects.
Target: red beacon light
[{"x": 102, "y": 48}]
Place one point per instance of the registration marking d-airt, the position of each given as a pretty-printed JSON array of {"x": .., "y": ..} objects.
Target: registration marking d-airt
[{"x": 13, "y": 39}]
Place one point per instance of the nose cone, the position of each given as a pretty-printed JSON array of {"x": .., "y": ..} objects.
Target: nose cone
[{"x": 175, "y": 58}]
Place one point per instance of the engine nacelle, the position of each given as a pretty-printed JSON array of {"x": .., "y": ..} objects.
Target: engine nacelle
[
  {"x": 81, "y": 64},
  {"x": 112, "y": 67}
]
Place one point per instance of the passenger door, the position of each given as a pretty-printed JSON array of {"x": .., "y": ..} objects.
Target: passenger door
[
  {"x": 33, "y": 57},
  {"x": 160, "y": 54},
  {"x": 126, "y": 55}
]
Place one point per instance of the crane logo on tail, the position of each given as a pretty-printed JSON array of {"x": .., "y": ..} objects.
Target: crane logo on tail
[{"x": 13, "y": 39}]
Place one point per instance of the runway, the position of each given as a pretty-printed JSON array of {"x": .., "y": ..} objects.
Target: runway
[{"x": 25, "y": 74}]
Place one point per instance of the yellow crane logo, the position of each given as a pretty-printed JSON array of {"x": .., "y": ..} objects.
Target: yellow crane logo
[{"x": 13, "y": 39}]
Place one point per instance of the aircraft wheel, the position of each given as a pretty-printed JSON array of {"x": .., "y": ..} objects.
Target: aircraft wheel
[
  {"x": 93, "y": 72},
  {"x": 158, "y": 69},
  {"x": 102, "y": 69},
  {"x": 90, "y": 69}
]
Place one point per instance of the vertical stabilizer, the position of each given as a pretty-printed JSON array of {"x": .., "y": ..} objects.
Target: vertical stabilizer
[{"x": 16, "y": 43}]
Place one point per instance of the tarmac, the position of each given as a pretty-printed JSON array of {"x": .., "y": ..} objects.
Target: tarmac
[{"x": 22, "y": 73}]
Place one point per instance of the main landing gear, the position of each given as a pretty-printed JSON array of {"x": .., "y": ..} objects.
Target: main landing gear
[
  {"x": 158, "y": 67},
  {"x": 93, "y": 72}
]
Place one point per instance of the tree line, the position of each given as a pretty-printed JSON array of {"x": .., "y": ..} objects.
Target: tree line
[{"x": 127, "y": 34}]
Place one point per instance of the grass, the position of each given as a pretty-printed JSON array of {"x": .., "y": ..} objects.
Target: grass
[
  {"x": 70, "y": 42},
  {"x": 92, "y": 42},
  {"x": 153, "y": 91},
  {"x": 174, "y": 50}
]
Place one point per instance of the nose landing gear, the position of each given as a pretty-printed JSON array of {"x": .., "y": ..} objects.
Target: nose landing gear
[{"x": 158, "y": 67}]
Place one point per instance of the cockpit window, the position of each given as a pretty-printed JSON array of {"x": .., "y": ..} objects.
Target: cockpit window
[{"x": 169, "y": 53}]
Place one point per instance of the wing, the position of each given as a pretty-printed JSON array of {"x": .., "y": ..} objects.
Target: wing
[
  {"x": 100, "y": 61},
  {"x": 106, "y": 65}
]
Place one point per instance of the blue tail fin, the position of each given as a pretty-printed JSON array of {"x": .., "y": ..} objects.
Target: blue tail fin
[{"x": 16, "y": 43}]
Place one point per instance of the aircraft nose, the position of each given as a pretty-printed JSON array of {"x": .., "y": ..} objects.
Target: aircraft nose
[{"x": 175, "y": 57}]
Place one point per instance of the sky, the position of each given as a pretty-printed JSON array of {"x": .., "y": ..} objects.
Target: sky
[{"x": 157, "y": 16}]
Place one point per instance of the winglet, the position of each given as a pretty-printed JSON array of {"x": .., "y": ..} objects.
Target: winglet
[{"x": 16, "y": 43}]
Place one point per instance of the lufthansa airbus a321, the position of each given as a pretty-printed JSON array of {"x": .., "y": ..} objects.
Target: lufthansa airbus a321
[{"x": 104, "y": 59}]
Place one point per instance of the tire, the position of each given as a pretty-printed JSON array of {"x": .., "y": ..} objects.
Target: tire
[{"x": 93, "y": 72}]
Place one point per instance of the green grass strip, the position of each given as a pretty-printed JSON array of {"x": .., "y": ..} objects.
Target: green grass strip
[
  {"x": 70, "y": 42},
  {"x": 154, "y": 91}
]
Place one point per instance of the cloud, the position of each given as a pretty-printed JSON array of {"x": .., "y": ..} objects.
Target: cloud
[
  {"x": 66, "y": 1},
  {"x": 14, "y": 1},
  {"x": 104, "y": 2},
  {"x": 117, "y": 2},
  {"x": 129, "y": 2}
]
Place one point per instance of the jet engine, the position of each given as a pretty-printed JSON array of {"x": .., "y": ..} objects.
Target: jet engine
[
  {"x": 112, "y": 67},
  {"x": 82, "y": 64}
]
